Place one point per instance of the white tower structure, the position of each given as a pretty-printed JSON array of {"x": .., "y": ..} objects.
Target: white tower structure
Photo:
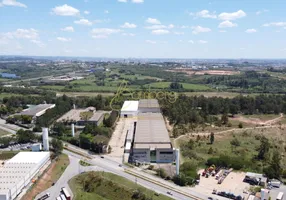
[
  {"x": 45, "y": 139},
  {"x": 177, "y": 162},
  {"x": 72, "y": 127}
]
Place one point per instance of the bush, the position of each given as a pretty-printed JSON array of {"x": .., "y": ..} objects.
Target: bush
[
  {"x": 240, "y": 125},
  {"x": 161, "y": 172}
]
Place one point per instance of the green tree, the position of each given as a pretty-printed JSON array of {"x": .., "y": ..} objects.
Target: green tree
[
  {"x": 224, "y": 119},
  {"x": 57, "y": 146},
  {"x": 263, "y": 148},
  {"x": 212, "y": 138},
  {"x": 240, "y": 125},
  {"x": 25, "y": 136}
]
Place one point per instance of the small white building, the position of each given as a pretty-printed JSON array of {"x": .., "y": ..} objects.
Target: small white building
[
  {"x": 129, "y": 109},
  {"x": 19, "y": 171}
]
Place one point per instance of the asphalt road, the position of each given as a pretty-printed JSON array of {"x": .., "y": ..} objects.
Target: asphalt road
[{"x": 102, "y": 164}]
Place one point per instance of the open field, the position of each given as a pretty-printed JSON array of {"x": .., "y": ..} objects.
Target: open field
[
  {"x": 2, "y": 132},
  {"x": 219, "y": 94},
  {"x": 205, "y": 72},
  {"x": 108, "y": 186},
  {"x": 259, "y": 119},
  {"x": 3, "y": 95},
  {"x": 84, "y": 94},
  {"x": 5, "y": 155},
  {"x": 53, "y": 173},
  {"x": 162, "y": 85}
]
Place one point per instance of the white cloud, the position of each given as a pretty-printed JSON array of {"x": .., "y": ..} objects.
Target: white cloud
[
  {"x": 232, "y": 16},
  {"x": 191, "y": 41},
  {"x": 184, "y": 26},
  {"x": 128, "y": 34},
  {"x": 106, "y": 12},
  {"x": 151, "y": 41},
  {"x": 86, "y": 12},
  {"x": 202, "y": 41},
  {"x": 153, "y": 21},
  {"x": 160, "y": 32},
  {"x": 128, "y": 25},
  {"x": 227, "y": 24},
  {"x": 279, "y": 24},
  {"x": 22, "y": 34},
  {"x": 179, "y": 33},
  {"x": 63, "y": 39},
  {"x": 199, "y": 29},
  {"x": 68, "y": 29},
  {"x": 103, "y": 32},
  {"x": 259, "y": 12},
  {"x": 252, "y": 30},
  {"x": 204, "y": 14},
  {"x": 137, "y": 1},
  {"x": 156, "y": 27},
  {"x": 12, "y": 3},
  {"x": 122, "y": 1},
  {"x": 85, "y": 22},
  {"x": 39, "y": 43},
  {"x": 171, "y": 26},
  {"x": 65, "y": 10}
]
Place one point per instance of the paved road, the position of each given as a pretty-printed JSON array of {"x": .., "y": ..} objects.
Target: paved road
[{"x": 103, "y": 164}]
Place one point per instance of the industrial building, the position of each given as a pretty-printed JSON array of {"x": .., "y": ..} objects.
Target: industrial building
[
  {"x": 36, "y": 110},
  {"x": 81, "y": 117},
  {"x": 148, "y": 105},
  {"x": 151, "y": 140},
  {"x": 20, "y": 171},
  {"x": 132, "y": 108},
  {"x": 129, "y": 109}
]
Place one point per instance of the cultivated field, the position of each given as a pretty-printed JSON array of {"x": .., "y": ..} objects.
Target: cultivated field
[{"x": 205, "y": 72}]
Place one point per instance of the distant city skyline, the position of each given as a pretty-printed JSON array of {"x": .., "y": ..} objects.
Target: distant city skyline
[{"x": 181, "y": 29}]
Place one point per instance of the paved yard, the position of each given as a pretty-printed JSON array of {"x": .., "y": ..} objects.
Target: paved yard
[{"x": 118, "y": 139}]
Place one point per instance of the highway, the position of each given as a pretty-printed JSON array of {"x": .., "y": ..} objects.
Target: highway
[{"x": 106, "y": 165}]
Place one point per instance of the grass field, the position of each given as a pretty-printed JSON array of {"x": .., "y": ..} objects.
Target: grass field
[
  {"x": 187, "y": 86},
  {"x": 84, "y": 94},
  {"x": 2, "y": 132},
  {"x": 218, "y": 94},
  {"x": 249, "y": 141},
  {"x": 3, "y": 95},
  {"x": 5, "y": 155},
  {"x": 109, "y": 187}
]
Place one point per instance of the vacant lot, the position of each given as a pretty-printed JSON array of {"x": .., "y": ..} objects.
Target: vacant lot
[
  {"x": 108, "y": 186},
  {"x": 6, "y": 155}
]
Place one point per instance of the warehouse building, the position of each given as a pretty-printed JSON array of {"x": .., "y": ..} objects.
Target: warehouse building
[
  {"x": 149, "y": 105},
  {"x": 129, "y": 109},
  {"x": 19, "y": 172},
  {"x": 151, "y": 141},
  {"x": 36, "y": 110},
  {"x": 82, "y": 117}
]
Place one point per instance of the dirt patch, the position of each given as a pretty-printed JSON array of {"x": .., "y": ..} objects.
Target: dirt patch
[
  {"x": 258, "y": 121},
  {"x": 41, "y": 185}
]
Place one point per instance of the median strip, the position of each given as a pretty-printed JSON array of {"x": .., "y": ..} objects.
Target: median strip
[{"x": 161, "y": 184}]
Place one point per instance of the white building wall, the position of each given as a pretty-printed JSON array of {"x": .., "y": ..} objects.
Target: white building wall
[
  {"x": 45, "y": 139},
  {"x": 129, "y": 114}
]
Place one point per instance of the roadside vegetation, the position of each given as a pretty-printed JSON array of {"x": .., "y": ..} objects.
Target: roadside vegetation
[{"x": 108, "y": 186}]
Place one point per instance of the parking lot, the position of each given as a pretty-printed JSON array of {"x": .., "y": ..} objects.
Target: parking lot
[
  {"x": 233, "y": 183},
  {"x": 18, "y": 147}
]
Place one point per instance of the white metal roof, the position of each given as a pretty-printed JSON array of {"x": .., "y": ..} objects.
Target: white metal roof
[
  {"x": 130, "y": 106},
  {"x": 17, "y": 168},
  {"x": 28, "y": 157}
]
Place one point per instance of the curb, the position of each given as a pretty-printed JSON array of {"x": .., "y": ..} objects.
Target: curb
[{"x": 161, "y": 184}]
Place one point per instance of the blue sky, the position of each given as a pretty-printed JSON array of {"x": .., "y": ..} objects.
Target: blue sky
[{"x": 144, "y": 28}]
